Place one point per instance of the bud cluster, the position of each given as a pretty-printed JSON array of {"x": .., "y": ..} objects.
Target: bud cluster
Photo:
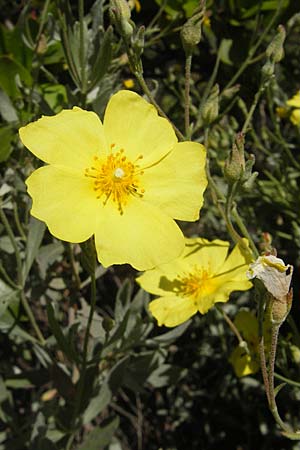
[{"x": 236, "y": 168}]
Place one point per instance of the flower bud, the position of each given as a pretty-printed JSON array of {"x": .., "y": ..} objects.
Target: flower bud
[
  {"x": 275, "y": 50},
  {"x": 139, "y": 40},
  {"x": 191, "y": 31},
  {"x": 210, "y": 109},
  {"x": 267, "y": 70},
  {"x": 235, "y": 164},
  {"x": 120, "y": 16},
  {"x": 280, "y": 308}
]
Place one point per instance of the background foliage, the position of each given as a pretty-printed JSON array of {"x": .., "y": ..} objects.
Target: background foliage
[{"x": 144, "y": 387}]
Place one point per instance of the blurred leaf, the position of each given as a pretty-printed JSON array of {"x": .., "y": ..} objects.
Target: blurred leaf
[
  {"x": 103, "y": 58},
  {"x": 6, "y": 137},
  {"x": 7, "y": 109},
  {"x": 55, "y": 95},
  {"x": 9, "y": 69},
  {"x": 98, "y": 438},
  {"x": 61, "y": 340},
  {"x": 165, "y": 375},
  {"x": 6, "y": 245},
  {"x": 123, "y": 300},
  {"x": 292, "y": 436},
  {"x": 7, "y": 296},
  {"x": 36, "y": 232},
  {"x": 8, "y": 325},
  {"x": 139, "y": 369},
  {"x": 48, "y": 255},
  {"x": 278, "y": 388},
  {"x": 224, "y": 51},
  {"x": 97, "y": 404},
  {"x": 171, "y": 336}
]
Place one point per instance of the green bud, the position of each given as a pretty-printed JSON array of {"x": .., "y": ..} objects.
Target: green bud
[
  {"x": 268, "y": 70},
  {"x": 138, "y": 41},
  {"x": 191, "y": 31},
  {"x": 275, "y": 50},
  {"x": 280, "y": 308},
  {"x": 108, "y": 324},
  {"x": 234, "y": 167},
  {"x": 230, "y": 92},
  {"x": 210, "y": 109},
  {"x": 120, "y": 16},
  {"x": 120, "y": 9}
]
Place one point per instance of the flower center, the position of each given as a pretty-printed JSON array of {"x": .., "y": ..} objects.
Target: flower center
[
  {"x": 196, "y": 283},
  {"x": 116, "y": 178}
]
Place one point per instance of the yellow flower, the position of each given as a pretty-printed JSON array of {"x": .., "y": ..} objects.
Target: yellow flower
[
  {"x": 294, "y": 102},
  {"x": 128, "y": 83},
  {"x": 245, "y": 358},
  {"x": 202, "y": 276},
  {"x": 123, "y": 181}
]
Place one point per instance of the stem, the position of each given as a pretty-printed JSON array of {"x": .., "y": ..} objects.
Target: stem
[
  {"x": 188, "y": 65},
  {"x": 73, "y": 266},
  {"x": 20, "y": 281},
  {"x": 81, "y": 47},
  {"x": 253, "y": 49},
  {"x": 147, "y": 91},
  {"x": 272, "y": 400},
  {"x": 14, "y": 244},
  {"x": 81, "y": 383},
  {"x": 287, "y": 380},
  {"x": 252, "y": 109},
  {"x": 7, "y": 278},
  {"x": 18, "y": 223},
  {"x": 263, "y": 366},
  {"x": 31, "y": 318},
  {"x": 231, "y": 324}
]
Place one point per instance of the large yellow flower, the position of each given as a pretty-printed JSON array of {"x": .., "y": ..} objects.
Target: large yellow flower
[
  {"x": 294, "y": 102},
  {"x": 202, "y": 276},
  {"x": 123, "y": 181}
]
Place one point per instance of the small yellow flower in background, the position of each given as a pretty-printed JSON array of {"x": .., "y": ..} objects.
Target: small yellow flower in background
[
  {"x": 202, "y": 276},
  {"x": 281, "y": 112},
  {"x": 129, "y": 83},
  {"x": 294, "y": 102},
  {"x": 245, "y": 358},
  {"x": 206, "y": 21},
  {"x": 123, "y": 181}
]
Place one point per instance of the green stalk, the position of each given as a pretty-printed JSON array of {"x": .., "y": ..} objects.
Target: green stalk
[
  {"x": 188, "y": 65},
  {"x": 82, "y": 48},
  {"x": 82, "y": 380},
  {"x": 20, "y": 280}
]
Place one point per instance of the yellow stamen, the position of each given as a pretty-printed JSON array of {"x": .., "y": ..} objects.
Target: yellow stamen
[
  {"x": 116, "y": 178},
  {"x": 196, "y": 283}
]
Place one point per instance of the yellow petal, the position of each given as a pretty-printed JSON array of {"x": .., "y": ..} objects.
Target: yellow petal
[
  {"x": 235, "y": 267},
  {"x": 143, "y": 236},
  {"x": 176, "y": 184},
  {"x": 70, "y": 138},
  {"x": 133, "y": 124},
  {"x": 209, "y": 255},
  {"x": 221, "y": 293},
  {"x": 172, "y": 311},
  {"x": 65, "y": 201},
  {"x": 295, "y": 117},
  {"x": 162, "y": 279},
  {"x": 294, "y": 101},
  {"x": 247, "y": 325},
  {"x": 243, "y": 363},
  {"x": 198, "y": 251}
]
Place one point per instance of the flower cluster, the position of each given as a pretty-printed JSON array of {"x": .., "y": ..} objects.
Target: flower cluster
[{"x": 125, "y": 181}]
